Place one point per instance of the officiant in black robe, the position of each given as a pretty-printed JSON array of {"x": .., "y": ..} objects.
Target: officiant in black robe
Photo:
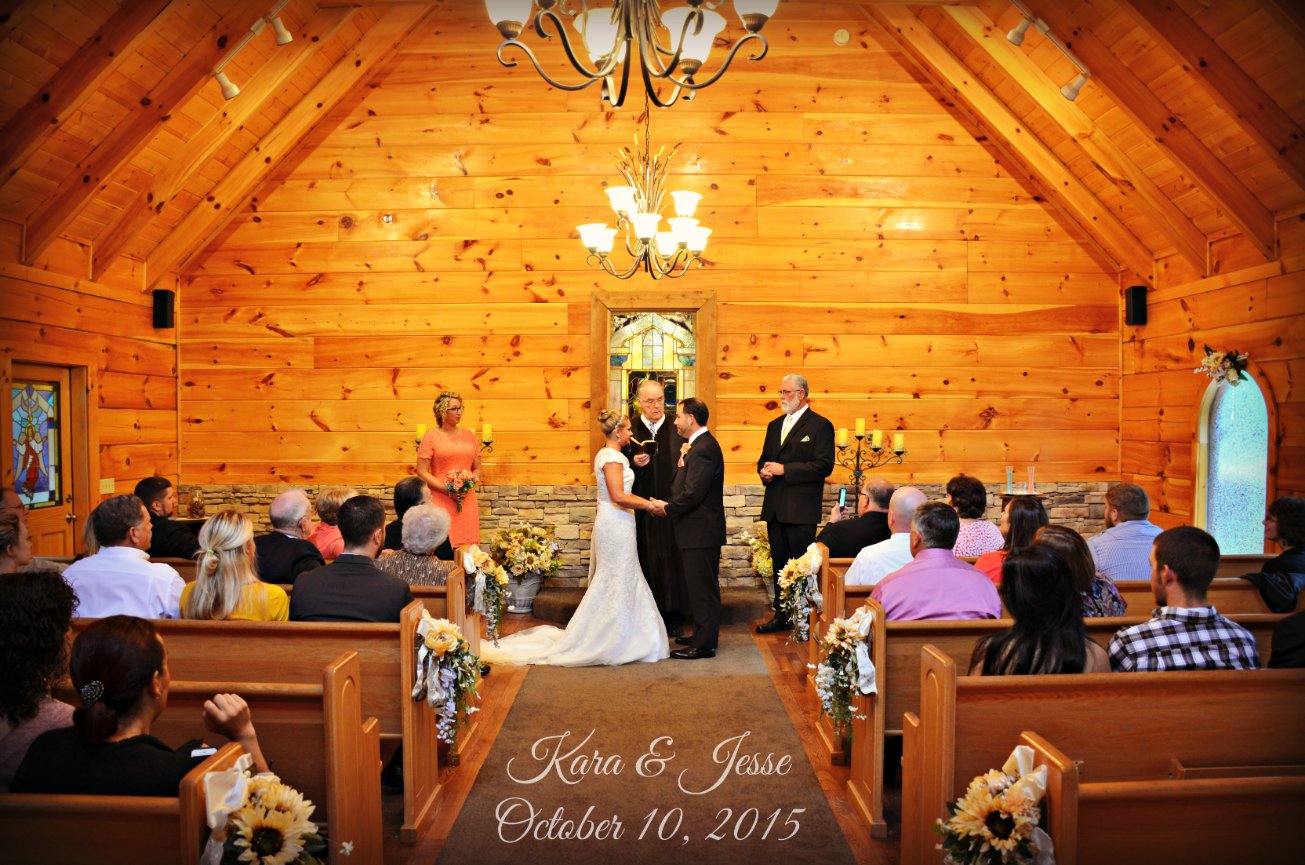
[{"x": 658, "y": 554}]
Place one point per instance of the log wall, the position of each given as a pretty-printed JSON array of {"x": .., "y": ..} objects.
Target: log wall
[{"x": 865, "y": 235}]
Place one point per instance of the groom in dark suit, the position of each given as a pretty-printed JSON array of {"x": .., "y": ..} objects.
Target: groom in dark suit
[
  {"x": 698, "y": 507},
  {"x": 797, "y": 456}
]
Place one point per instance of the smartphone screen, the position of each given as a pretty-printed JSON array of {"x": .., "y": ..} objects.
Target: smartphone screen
[{"x": 842, "y": 497}]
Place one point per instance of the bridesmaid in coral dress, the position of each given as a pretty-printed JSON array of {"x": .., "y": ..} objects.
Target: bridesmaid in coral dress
[{"x": 449, "y": 448}]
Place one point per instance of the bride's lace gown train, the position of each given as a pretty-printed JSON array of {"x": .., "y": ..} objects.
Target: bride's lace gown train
[{"x": 617, "y": 621}]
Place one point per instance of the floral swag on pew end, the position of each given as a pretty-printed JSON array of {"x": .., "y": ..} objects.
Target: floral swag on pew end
[
  {"x": 1229, "y": 366},
  {"x": 446, "y": 674},
  {"x": 996, "y": 821},
  {"x": 759, "y": 543},
  {"x": 799, "y": 591},
  {"x": 488, "y": 594},
  {"x": 846, "y": 666},
  {"x": 260, "y": 820}
]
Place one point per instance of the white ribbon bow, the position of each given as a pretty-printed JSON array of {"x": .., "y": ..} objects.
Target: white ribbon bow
[
  {"x": 224, "y": 793},
  {"x": 813, "y": 579},
  {"x": 1034, "y": 781},
  {"x": 478, "y": 586},
  {"x": 428, "y": 669},
  {"x": 865, "y": 668}
]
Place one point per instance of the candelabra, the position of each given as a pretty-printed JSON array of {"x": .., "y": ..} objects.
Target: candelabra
[{"x": 866, "y": 455}]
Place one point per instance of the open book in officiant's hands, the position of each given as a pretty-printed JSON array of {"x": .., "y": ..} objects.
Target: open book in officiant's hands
[{"x": 649, "y": 447}]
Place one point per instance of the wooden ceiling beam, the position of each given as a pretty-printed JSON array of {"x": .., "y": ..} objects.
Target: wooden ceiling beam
[
  {"x": 24, "y": 134},
  {"x": 231, "y": 196},
  {"x": 1043, "y": 167},
  {"x": 1136, "y": 99},
  {"x": 1111, "y": 162},
  {"x": 1288, "y": 16},
  {"x": 116, "y": 150},
  {"x": 1225, "y": 82},
  {"x": 254, "y": 96}
]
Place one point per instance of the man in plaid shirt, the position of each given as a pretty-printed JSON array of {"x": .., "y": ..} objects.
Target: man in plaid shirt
[{"x": 1185, "y": 633}]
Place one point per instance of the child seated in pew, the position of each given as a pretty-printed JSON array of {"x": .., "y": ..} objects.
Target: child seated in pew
[
  {"x": 35, "y": 614},
  {"x": 120, "y": 670},
  {"x": 226, "y": 582},
  {"x": 1100, "y": 595},
  {"x": 1048, "y": 635}
]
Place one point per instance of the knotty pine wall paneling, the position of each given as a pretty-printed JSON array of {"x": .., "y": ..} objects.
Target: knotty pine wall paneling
[{"x": 865, "y": 235}]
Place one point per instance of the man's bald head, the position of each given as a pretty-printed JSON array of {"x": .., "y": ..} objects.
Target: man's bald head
[
  {"x": 289, "y": 509},
  {"x": 902, "y": 506}
]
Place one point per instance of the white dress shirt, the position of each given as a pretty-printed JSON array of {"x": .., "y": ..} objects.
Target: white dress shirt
[
  {"x": 123, "y": 581},
  {"x": 879, "y": 560}
]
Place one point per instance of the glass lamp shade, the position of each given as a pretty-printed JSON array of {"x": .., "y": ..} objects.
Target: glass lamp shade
[
  {"x": 682, "y": 228},
  {"x": 698, "y": 239},
  {"x": 508, "y": 10},
  {"x": 622, "y": 198},
  {"x": 685, "y": 202},
  {"x": 591, "y": 235},
  {"x": 607, "y": 240},
  {"x": 599, "y": 31},
  {"x": 645, "y": 225},
  {"x": 696, "y": 45},
  {"x": 755, "y": 7},
  {"x": 666, "y": 244}
]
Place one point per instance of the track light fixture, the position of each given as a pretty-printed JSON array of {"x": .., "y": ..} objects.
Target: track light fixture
[
  {"x": 1015, "y": 36},
  {"x": 1070, "y": 90},
  {"x": 282, "y": 36}
]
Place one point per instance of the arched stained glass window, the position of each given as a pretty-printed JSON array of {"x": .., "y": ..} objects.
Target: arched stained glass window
[{"x": 1234, "y": 465}]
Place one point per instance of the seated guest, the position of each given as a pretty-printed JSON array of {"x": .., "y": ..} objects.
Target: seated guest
[
  {"x": 352, "y": 589},
  {"x": 1121, "y": 551},
  {"x": 845, "y": 538},
  {"x": 120, "y": 579},
  {"x": 326, "y": 537},
  {"x": 879, "y": 560},
  {"x": 1185, "y": 633},
  {"x": 15, "y": 543},
  {"x": 1100, "y": 597},
  {"x": 1020, "y": 521},
  {"x": 35, "y": 615},
  {"x": 283, "y": 553},
  {"x": 120, "y": 670},
  {"x": 970, "y": 499},
  {"x": 408, "y": 493},
  {"x": 226, "y": 585},
  {"x": 171, "y": 539},
  {"x": 936, "y": 584},
  {"x": 1289, "y": 642},
  {"x": 1285, "y": 525},
  {"x": 1048, "y": 635},
  {"x": 425, "y": 528}
]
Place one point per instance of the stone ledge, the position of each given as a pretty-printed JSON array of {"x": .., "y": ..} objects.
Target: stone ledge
[{"x": 558, "y": 603}]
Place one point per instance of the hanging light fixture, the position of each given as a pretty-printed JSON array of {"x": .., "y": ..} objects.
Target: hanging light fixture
[
  {"x": 638, "y": 207},
  {"x": 670, "y": 47},
  {"x": 1016, "y": 37}
]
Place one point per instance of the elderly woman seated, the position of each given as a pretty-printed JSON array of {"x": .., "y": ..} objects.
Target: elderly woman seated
[{"x": 425, "y": 527}]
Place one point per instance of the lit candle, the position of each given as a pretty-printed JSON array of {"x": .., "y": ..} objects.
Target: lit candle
[
  {"x": 842, "y": 437},
  {"x": 421, "y": 430},
  {"x": 877, "y": 439},
  {"x": 860, "y": 427},
  {"x": 899, "y": 442},
  {"x": 486, "y": 433}
]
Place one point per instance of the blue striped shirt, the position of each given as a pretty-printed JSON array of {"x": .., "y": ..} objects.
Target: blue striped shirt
[{"x": 1123, "y": 552}]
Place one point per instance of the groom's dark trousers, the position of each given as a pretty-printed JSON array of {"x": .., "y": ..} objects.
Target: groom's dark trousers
[{"x": 698, "y": 507}]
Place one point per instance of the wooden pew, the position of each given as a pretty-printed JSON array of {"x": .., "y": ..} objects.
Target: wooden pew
[
  {"x": 1229, "y": 595},
  {"x": 184, "y": 567},
  {"x": 1228, "y": 818},
  {"x": 1123, "y": 726},
  {"x": 896, "y": 649},
  {"x": 111, "y": 830}
]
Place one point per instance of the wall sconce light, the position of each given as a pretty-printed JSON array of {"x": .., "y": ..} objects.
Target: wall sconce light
[{"x": 281, "y": 34}]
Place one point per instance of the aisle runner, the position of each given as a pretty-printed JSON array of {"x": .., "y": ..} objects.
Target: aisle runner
[{"x": 681, "y": 761}]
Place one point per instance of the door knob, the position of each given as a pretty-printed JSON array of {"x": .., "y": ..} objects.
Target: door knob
[{"x": 70, "y": 518}]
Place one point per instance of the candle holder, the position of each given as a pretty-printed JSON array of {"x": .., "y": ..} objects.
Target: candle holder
[
  {"x": 487, "y": 446},
  {"x": 864, "y": 457}
]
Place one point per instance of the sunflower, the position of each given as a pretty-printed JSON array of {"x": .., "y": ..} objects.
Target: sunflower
[{"x": 270, "y": 837}]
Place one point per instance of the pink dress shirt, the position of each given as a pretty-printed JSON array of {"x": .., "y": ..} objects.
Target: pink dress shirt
[{"x": 937, "y": 585}]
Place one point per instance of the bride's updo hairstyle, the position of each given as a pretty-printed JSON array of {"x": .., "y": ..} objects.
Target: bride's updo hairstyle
[{"x": 609, "y": 420}]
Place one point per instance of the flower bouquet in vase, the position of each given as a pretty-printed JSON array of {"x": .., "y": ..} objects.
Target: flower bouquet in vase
[
  {"x": 459, "y": 482},
  {"x": 529, "y": 555}
]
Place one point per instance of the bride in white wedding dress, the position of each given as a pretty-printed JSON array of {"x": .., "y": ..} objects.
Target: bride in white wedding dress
[{"x": 617, "y": 621}]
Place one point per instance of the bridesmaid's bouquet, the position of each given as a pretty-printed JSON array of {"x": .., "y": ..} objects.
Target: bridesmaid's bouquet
[{"x": 460, "y": 482}]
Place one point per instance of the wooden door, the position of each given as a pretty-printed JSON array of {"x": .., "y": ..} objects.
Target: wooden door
[{"x": 42, "y": 469}]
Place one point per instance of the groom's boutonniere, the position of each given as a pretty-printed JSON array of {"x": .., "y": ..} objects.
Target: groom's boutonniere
[{"x": 684, "y": 449}]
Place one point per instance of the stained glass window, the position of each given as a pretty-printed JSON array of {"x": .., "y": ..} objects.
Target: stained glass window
[
  {"x": 37, "y": 458},
  {"x": 660, "y": 345},
  {"x": 1236, "y": 437}
]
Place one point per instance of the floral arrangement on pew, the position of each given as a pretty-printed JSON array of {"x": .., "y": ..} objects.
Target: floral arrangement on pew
[
  {"x": 261, "y": 820},
  {"x": 460, "y": 482},
  {"x": 526, "y": 549},
  {"x": 799, "y": 591},
  {"x": 489, "y": 592},
  {"x": 1229, "y": 366},
  {"x": 846, "y": 666},
  {"x": 760, "y": 544},
  {"x": 996, "y": 821},
  {"x": 446, "y": 674}
]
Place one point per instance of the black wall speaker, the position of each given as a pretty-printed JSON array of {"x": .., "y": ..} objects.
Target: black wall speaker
[
  {"x": 164, "y": 301},
  {"x": 1134, "y": 304}
]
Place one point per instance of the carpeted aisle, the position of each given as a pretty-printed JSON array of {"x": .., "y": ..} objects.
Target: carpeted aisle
[{"x": 730, "y": 783}]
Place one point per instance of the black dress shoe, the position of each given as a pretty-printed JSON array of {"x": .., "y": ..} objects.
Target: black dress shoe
[
  {"x": 675, "y": 631},
  {"x": 693, "y": 654},
  {"x": 774, "y": 625},
  {"x": 684, "y": 641}
]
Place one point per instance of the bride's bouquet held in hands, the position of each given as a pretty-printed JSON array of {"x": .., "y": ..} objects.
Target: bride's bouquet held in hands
[{"x": 460, "y": 482}]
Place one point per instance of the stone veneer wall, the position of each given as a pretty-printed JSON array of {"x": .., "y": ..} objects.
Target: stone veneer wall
[{"x": 570, "y": 511}]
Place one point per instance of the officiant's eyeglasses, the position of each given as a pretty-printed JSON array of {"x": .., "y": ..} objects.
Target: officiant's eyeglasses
[{"x": 652, "y": 400}]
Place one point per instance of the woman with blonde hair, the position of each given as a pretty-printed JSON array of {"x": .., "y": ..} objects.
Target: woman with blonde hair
[
  {"x": 326, "y": 537},
  {"x": 449, "y": 448},
  {"x": 226, "y": 584}
]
